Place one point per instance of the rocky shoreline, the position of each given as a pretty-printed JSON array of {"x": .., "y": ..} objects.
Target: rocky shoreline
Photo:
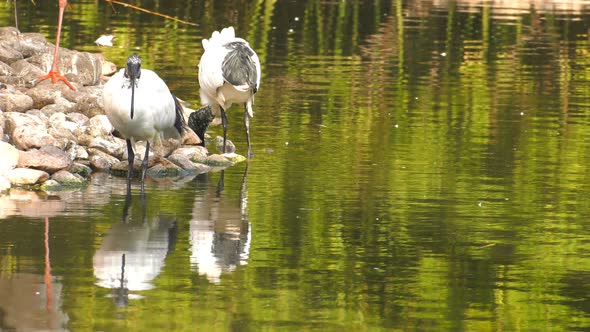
[{"x": 53, "y": 138}]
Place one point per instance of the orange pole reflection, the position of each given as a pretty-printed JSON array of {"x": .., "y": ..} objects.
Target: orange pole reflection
[{"x": 47, "y": 267}]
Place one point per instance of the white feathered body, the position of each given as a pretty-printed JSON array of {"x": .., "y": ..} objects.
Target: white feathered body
[
  {"x": 215, "y": 87},
  {"x": 154, "y": 107}
]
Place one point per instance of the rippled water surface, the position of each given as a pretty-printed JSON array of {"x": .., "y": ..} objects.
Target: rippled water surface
[{"x": 419, "y": 165}]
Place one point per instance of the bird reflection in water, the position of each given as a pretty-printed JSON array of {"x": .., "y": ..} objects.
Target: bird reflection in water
[
  {"x": 220, "y": 231},
  {"x": 31, "y": 301},
  {"x": 133, "y": 251}
]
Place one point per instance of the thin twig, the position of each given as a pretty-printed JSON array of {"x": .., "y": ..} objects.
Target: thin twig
[
  {"x": 15, "y": 16},
  {"x": 150, "y": 12}
]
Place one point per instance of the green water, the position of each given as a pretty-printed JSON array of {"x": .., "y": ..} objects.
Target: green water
[{"x": 418, "y": 166}]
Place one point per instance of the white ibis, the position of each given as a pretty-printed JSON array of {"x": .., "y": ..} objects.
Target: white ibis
[
  {"x": 229, "y": 72},
  {"x": 53, "y": 74},
  {"x": 139, "y": 105}
]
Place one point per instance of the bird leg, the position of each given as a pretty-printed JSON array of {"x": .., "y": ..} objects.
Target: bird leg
[
  {"x": 53, "y": 74},
  {"x": 144, "y": 164},
  {"x": 127, "y": 203},
  {"x": 224, "y": 124},
  {"x": 247, "y": 123},
  {"x": 130, "y": 158}
]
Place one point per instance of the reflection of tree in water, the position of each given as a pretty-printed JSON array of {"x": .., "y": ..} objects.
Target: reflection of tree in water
[
  {"x": 219, "y": 232},
  {"x": 132, "y": 253}
]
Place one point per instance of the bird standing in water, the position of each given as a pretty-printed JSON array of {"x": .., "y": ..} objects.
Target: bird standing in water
[
  {"x": 140, "y": 106},
  {"x": 229, "y": 72},
  {"x": 53, "y": 74}
]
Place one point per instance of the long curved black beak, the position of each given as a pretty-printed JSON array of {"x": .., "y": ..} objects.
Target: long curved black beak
[{"x": 133, "y": 72}]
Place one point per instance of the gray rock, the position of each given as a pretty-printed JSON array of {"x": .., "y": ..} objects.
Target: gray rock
[
  {"x": 78, "y": 118},
  {"x": 28, "y": 131},
  {"x": 12, "y": 80},
  {"x": 165, "y": 148},
  {"x": 66, "y": 178},
  {"x": 80, "y": 169},
  {"x": 194, "y": 153},
  {"x": 31, "y": 43},
  {"x": 189, "y": 137},
  {"x": 12, "y": 100},
  {"x": 90, "y": 105},
  {"x": 234, "y": 157},
  {"x": 99, "y": 126},
  {"x": 218, "y": 143},
  {"x": 26, "y": 176},
  {"x": 120, "y": 168},
  {"x": 40, "y": 115},
  {"x": 44, "y": 95},
  {"x": 10, "y": 156},
  {"x": 113, "y": 147},
  {"x": 9, "y": 55},
  {"x": 162, "y": 149},
  {"x": 183, "y": 162},
  {"x": 49, "y": 158},
  {"x": 217, "y": 160},
  {"x": 15, "y": 120},
  {"x": 76, "y": 152},
  {"x": 160, "y": 171},
  {"x": 62, "y": 136},
  {"x": 26, "y": 43},
  {"x": 202, "y": 168},
  {"x": 62, "y": 127},
  {"x": 80, "y": 67},
  {"x": 100, "y": 163},
  {"x": 108, "y": 68},
  {"x": 101, "y": 160},
  {"x": 61, "y": 105},
  {"x": 29, "y": 137},
  {"x": 9, "y": 34},
  {"x": 26, "y": 71},
  {"x": 4, "y": 184},
  {"x": 5, "y": 70},
  {"x": 51, "y": 185}
]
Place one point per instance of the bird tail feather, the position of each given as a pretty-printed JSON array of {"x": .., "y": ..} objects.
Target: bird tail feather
[
  {"x": 220, "y": 38},
  {"x": 179, "y": 122}
]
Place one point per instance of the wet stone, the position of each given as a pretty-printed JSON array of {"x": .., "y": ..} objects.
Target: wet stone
[
  {"x": 218, "y": 143},
  {"x": 183, "y": 162},
  {"x": 194, "y": 153},
  {"x": 26, "y": 176},
  {"x": 168, "y": 170},
  {"x": 80, "y": 169},
  {"x": 217, "y": 160},
  {"x": 66, "y": 178}
]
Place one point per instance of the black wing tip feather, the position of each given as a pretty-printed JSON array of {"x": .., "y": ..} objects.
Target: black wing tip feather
[
  {"x": 179, "y": 122},
  {"x": 199, "y": 121}
]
